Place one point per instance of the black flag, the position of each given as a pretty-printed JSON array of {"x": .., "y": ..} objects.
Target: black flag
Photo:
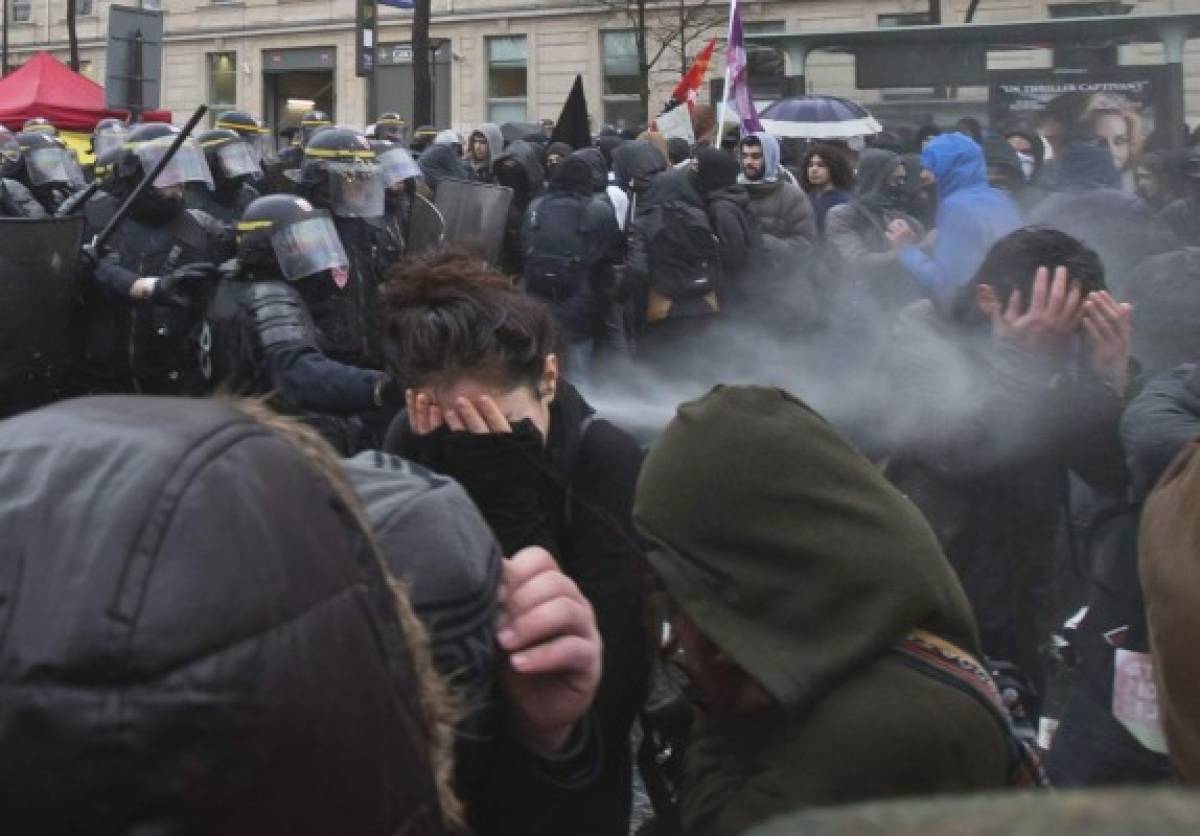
[{"x": 572, "y": 125}]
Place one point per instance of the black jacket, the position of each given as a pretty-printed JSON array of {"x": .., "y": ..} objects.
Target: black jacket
[
  {"x": 198, "y": 637},
  {"x": 573, "y": 496}
]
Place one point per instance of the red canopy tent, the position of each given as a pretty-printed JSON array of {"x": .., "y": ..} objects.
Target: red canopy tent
[{"x": 46, "y": 87}]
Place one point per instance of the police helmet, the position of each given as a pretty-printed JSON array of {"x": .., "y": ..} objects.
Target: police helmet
[
  {"x": 391, "y": 127},
  {"x": 10, "y": 153},
  {"x": 311, "y": 123},
  {"x": 40, "y": 125},
  {"x": 229, "y": 155},
  {"x": 340, "y": 173},
  {"x": 146, "y": 145},
  {"x": 47, "y": 161},
  {"x": 240, "y": 122},
  {"x": 286, "y": 236},
  {"x": 105, "y": 170},
  {"x": 107, "y": 135}
]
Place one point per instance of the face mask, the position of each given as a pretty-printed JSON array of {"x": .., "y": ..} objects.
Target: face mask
[{"x": 1027, "y": 164}]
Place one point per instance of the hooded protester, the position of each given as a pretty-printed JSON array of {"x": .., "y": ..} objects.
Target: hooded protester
[
  {"x": 1031, "y": 153},
  {"x": 826, "y": 176},
  {"x": 1006, "y": 173},
  {"x": 451, "y": 138},
  {"x": 1183, "y": 215},
  {"x": 1165, "y": 295},
  {"x": 991, "y": 407},
  {"x": 857, "y": 236},
  {"x": 488, "y": 406},
  {"x": 440, "y": 162},
  {"x": 920, "y": 197},
  {"x": 971, "y": 217},
  {"x": 1167, "y": 548},
  {"x": 435, "y": 541},
  {"x": 782, "y": 292},
  {"x": 1091, "y": 206},
  {"x": 519, "y": 168},
  {"x": 1153, "y": 178},
  {"x": 483, "y": 149},
  {"x": 635, "y": 165},
  {"x": 716, "y": 179},
  {"x": 800, "y": 609},
  {"x": 678, "y": 150},
  {"x": 570, "y": 242},
  {"x": 214, "y": 584},
  {"x": 556, "y": 152}
]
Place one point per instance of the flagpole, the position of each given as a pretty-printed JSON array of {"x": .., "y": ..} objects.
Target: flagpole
[{"x": 725, "y": 87}]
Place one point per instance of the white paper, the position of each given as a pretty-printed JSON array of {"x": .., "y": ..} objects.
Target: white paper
[{"x": 676, "y": 124}]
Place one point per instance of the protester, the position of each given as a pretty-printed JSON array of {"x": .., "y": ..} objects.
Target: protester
[
  {"x": 1091, "y": 206},
  {"x": 678, "y": 150},
  {"x": 214, "y": 584},
  {"x": 991, "y": 405},
  {"x": 484, "y": 147},
  {"x": 971, "y": 217},
  {"x": 802, "y": 611},
  {"x": 1164, "y": 293},
  {"x": 782, "y": 211},
  {"x": 859, "y": 235},
  {"x": 487, "y": 405},
  {"x": 512, "y": 698},
  {"x": 439, "y": 162},
  {"x": 1031, "y": 153},
  {"x": 926, "y": 134},
  {"x": 556, "y": 152},
  {"x": 969, "y": 126},
  {"x": 570, "y": 243},
  {"x": 1153, "y": 181},
  {"x": 519, "y": 168},
  {"x": 1183, "y": 216},
  {"x": 738, "y": 234},
  {"x": 826, "y": 176}
]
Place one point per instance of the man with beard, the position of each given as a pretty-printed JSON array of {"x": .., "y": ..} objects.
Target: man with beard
[{"x": 143, "y": 294}]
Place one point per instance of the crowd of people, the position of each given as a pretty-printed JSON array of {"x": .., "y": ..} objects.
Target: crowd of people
[{"x": 312, "y": 530}]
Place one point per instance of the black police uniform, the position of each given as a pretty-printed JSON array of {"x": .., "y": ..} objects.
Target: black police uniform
[{"x": 16, "y": 201}]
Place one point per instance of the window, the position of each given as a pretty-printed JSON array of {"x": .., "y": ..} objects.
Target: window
[
  {"x": 151, "y": 5},
  {"x": 893, "y": 21},
  {"x": 622, "y": 81},
  {"x": 1086, "y": 57},
  {"x": 222, "y": 80},
  {"x": 85, "y": 8},
  {"x": 21, "y": 11},
  {"x": 767, "y": 70},
  {"x": 508, "y": 76}
]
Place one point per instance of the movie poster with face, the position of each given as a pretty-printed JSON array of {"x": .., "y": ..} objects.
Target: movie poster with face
[{"x": 1115, "y": 106}]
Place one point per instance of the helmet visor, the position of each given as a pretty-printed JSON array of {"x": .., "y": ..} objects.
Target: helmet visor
[
  {"x": 355, "y": 189},
  {"x": 397, "y": 166},
  {"x": 237, "y": 159},
  {"x": 108, "y": 140},
  {"x": 10, "y": 149},
  {"x": 187, "y": 166},
  {"x": 53, "y": 165},
  {"x": 308, "y": 247},
  {"x": 264, "y": 148}
]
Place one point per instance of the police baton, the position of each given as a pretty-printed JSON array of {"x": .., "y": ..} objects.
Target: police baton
[{"x": 97, "y": 245}]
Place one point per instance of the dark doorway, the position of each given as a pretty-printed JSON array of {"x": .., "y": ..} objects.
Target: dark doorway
[{"x": 296, "y": 81}]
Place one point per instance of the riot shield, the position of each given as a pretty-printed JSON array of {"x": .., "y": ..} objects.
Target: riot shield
[
  {"x": 475, "y": 214},
  {"x": 426, "y": 228},
  {"x": 38, "y": 264}
]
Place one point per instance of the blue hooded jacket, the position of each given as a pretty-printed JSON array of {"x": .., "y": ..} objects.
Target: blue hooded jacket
[{"x": 971, "y": 216}]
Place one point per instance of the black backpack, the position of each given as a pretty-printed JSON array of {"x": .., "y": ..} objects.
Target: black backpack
[
  {"x": 556, "y": 246},
  {"x": 683, "y": 252}
]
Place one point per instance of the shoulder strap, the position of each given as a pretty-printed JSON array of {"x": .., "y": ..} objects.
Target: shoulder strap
[{"x": 946, "y": 662}]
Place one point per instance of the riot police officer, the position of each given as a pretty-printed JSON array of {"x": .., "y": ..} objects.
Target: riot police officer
[
  {"x": 48, "y": 169},
  {"x": 391, "y": 127},
  {"x": 16, "y": 201},
  {"x": 402, "y": 179},
  {"x": 310, "y": 124},
  {"x": 144, "y": 295},
  {"x": 263, "y": 337},
  {"x": 234, "y": 168},
  {"x": 340, "y": 174}
]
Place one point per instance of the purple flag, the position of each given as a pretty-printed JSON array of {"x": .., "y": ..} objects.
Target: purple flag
[{"x": 739, "y": 73}]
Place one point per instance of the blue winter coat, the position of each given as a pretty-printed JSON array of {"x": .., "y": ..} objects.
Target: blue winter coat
[{"x": 971, "y": 216}]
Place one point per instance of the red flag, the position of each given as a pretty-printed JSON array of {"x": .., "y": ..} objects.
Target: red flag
[{"x": 688, "y": 89}]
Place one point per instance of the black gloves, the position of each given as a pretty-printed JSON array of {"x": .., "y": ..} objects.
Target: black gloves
[
  {"x": 388, "y": 392},
  {"x": 184, "y": 287}
]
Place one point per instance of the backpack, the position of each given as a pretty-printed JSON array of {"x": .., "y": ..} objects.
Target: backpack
[
  {"x": 683, "y": 252},
  {"x": 557, "y": 245}
]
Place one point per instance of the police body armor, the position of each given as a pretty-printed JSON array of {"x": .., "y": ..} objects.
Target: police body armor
[
  {"x": 245, "y": 319},
  {"x": 200, "y": 197},
  {"x": 157, "y": 344}
]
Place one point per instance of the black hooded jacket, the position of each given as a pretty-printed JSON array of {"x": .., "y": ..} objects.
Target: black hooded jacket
[
  {"x": 198, "y": 637},
  {"x": 1089, "y": 205},
  {"x": 525, "y": 178},
  {"x": 440, "y": 162}
]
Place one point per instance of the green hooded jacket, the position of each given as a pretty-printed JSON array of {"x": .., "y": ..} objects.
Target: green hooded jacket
[{"x": 793, "y": 555}]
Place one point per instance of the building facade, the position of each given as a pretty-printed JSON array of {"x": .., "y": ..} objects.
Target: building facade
[{"x": 509, "y": 60}]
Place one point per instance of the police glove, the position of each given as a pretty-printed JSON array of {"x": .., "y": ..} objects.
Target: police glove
[{"x": 182, "y": 287}]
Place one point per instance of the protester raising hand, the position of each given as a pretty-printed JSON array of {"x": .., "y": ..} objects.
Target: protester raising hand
[
  {"x": 1109, "y": 326},
  {"x": 1051, "y": 318}
]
